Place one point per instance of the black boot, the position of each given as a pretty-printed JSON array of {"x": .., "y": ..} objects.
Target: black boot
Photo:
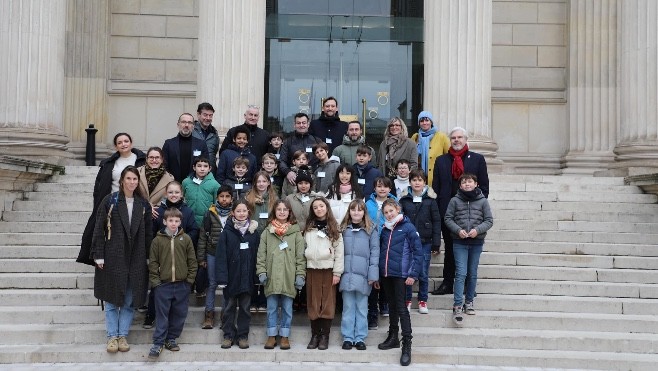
[
  {"x": 405, "y": 358},
  {"x": 443, "y": 289},
  {"x": 391, "y": 341},
  {"x": 325, "y": 324},
  {"x": 315, "y": 334}
]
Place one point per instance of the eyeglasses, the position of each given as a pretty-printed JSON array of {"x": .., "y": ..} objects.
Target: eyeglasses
[{"x": 153, "y": 158}]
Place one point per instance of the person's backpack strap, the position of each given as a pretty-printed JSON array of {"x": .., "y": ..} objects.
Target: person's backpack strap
[{"x": 111, "y": 202}]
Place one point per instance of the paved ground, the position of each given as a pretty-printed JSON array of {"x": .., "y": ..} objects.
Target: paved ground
[{"x": 241, "y": 366}]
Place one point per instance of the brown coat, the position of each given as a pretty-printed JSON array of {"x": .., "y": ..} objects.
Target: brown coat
[{"x": 125, "y": 251}]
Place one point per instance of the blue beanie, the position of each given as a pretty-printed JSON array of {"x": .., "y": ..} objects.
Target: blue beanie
[{"x": 427, "y": 114}]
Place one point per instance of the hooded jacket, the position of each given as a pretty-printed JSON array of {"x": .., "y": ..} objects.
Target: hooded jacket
[
  {"x": 200, "y": 196},
  {"x": 225, "y": 164},
  {"x": 424, "y": 215},
  {"x": 235, "y": 264},
  {"x": 281, "y": 265},
  {"x": 469, "y": 213},
  {"x": 172, "y": 258},
  {"x": 374, "y": 212},
  {"x": 400, "y": 251},
  {"x": 346, "y": 152},
  {"x": 361, "y": 251}
]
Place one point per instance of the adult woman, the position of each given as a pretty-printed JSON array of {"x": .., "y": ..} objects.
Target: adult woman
[
  {"x": 153, "y": 178},
  {"x": 107, "y": 181},
  {"x": 431, "y": 144},
  {"x": 122, "y": 236},
  {"x": 396, "y": 146}
]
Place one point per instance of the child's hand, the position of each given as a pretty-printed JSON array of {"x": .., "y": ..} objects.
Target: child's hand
[
  {"x": 335, "y": 280},
  {"x": 203, "y": 264},
  {"x": 473, "y": 233},
  {"x": 262, "y": 278},
  {"x": 154, "y": 211},
  {"x": 462, "y": 233},
  {"x": 409, "y": 281},
  {"x": 376, "y": 285},
  {"x": 291, "y": 177},
  {"x": 299, "y": 282}
]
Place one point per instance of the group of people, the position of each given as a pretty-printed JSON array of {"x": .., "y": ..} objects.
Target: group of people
[{"x": 267, "y": 219}]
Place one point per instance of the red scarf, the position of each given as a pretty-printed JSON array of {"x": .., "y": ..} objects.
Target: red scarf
[{"x": 457, "y": 163}]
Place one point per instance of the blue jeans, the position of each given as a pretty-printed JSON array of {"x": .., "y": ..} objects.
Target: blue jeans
[
  {"x": 171, "y": 302},
  {"x": 354, "y": 324},
  {"x": 423, "y": 276},
  {"x": 212, "y": 284},
  {"x": 119, "y": 319},
  {"x": 273, "y": 303},
  {"x": 467, "y": 258}
]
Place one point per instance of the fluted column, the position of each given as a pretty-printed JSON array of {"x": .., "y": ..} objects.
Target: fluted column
[
  {"x": 638, "y": 96},
  {"x": 457, "y": 56},
  {"x": 32, "y": 75},
  {"x": 231, "y": 72},
  {"x": 592, "y": 85},
  {"x": 85, "y": 81}
]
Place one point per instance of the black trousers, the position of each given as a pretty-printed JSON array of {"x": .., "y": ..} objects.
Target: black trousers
[
  {"x": 237, "y": 307},
  {"x": 449, "y": 258},
  {"x": 395, "y": 290}
]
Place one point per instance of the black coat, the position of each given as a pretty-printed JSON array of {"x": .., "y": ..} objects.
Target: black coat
[
  {"x": 125, "y": 251},
  {"x": 259, "y": 140},
  {"x": 297, "y": 142},
  {"x": 329, "y": 128},
  {"x": 424, "y": 215},
  {"x": 171, "y": 150},
  {"x": 236, "y": 267},
  {"x": 188, "y": 223},
  {"x": 102, "y": 188},
  {"x": 445, "y": 187}
]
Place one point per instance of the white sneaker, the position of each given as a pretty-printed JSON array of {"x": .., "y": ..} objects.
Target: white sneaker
[
  {"x": 458, "y": 316},
  {"x": 469, "y": 308},
  {"x": 422, "y": 307},
  {"x": 408, "y": 302}
]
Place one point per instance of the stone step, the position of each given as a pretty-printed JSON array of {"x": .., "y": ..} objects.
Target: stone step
[
  {"x": 39, "y": 252},
  {"x": 43, "y": 265},
  {"x": 60, "y": 239},
  {"x": 43, "y": 227},
  {"x": 572, "y": 226},
  {"x": 588, "y": 207},
  {"x": 572, "y": 248},
  {"x": 59, "y": 196},
  {"x": 83, "y": 189},
  {"x": 42, "y": 216},
  {"x": 46, "y": 281},
  {"x": 81, "y": 170},
  {"x": 473, "y": 357},
  {"x": 571, "y": 196},
  {"x": 79, "y": 205},
  {"x": 557, "y": 215},
  {"x": 77, "y": 179},
  {"x": 573, "y": 236},
  {"x": 561, "y": 187},
  {"x": 555, "y": 179}
]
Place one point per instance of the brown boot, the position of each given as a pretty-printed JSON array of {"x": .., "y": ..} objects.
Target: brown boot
[
  {"x": 284, "y": 344},
  {"x": 315, "y": 334},
  {"x": 324, "y": 337},
  {"x": 208, "y": 320},
  {"x": 270, "y": 343}
]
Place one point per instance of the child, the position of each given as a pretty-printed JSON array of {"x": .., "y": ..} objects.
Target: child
[
  {"x": 469, "y": 218},
  {"x": 238, "y": 180},
  {"x": 235, "y": 271},
  {"x": 271, "y": 167},
  {"x": 213, "y": 223},
  {"x": 260, "y": 199},
  {"x": 401, "y": 181},
  {"x": 276, "y": 141},
  {"x": 172, "y": 268},
  {"x": 343, "y": 191},
  {"x": 366, "y": 173},
  {"x": 281, "y": 268},
  {"x": 301, "y": 199},
  {"x": 299, "y": 158},
  {"x": 239, "y": 148},
  {"x": 326, "y": 169},
  {"x": 419, "y": 204},
  {"x": 399, "y": 264},
  {"x": 361, "y": 242},
  {"x": 324, "y": 266},
  {"x": 374, "y": 204},
  {"x": 188, "y": 223}
]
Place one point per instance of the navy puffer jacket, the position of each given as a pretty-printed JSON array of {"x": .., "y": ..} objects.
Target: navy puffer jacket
[{"x": 400, "y": 251}]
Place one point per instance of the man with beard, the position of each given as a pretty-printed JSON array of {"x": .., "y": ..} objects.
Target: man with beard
[
  {"x": 346, "y": 152},
  {"x": 203, "y": 129},
  {"x": 259, "y": 139},
  {"x": 180, "y": 151},
  {"x": 329, "y": 127},
  {"x": 447, "y": 170},
  {"x": 300, "y": 140}
]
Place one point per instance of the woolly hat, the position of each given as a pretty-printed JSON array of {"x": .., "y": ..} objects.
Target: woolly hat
[
  {"x": 304, "y": 175},
  {"x": 424, "y": 114}
]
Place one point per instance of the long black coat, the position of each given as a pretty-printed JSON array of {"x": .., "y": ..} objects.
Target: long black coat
[
  {"x": 171, "y": 150},
  {"x": 102, "y": 188},
  {"x": 236, "y": 267},
  {"x": 125, "y": 252}
]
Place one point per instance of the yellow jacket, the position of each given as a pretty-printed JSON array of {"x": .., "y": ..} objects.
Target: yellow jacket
[{"x": 439, "y": 145}]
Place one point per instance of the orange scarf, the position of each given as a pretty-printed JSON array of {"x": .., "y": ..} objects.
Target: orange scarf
[{"x": 280, "y": 228}]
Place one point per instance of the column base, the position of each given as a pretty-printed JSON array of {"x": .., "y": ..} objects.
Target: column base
[
  {"x": 587, "y": 163},
  {"x": 636, "y": 155},
  {"x": 34, "y": 145},
  {"x": 532, "y": 163},
  {"x": 487, "y": 148}
]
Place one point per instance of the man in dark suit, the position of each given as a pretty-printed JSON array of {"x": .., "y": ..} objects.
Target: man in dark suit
[
  {"x": 447, "y": 170},
  {"x": 329, "y": 126},
  {"x": 180, "y": 151}
]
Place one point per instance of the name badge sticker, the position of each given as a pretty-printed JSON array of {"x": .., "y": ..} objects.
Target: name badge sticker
[
  {"x": 262, "y": 215},
  {"x": 361, "y": 181},
  {"x": 283, "y": 245},
  {"x": 418, "y": 199},
  {"x": 321, "y": 234},
  {"x": 277, "y": 155},
  {"x": 239, "y": 186},
  {"x": 197, "y": 180},
  {"x": 321, "y": 174},
  {"x": 196, "y": 153},
  {"x": 328, "y": 141},
  {"x": 244, "y": 245},
  {"x": 305, "y": 199},
  {"x": 309, "y": 149}
]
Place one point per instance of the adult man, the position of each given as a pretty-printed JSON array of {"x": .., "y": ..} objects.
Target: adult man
[
  {"x": 328, "y": 127},
  {"x": 180, "y": 151},
  {"x": 203, "y": 129},
  {"x": 259, "y": 138},
  {"x": 447, "y": 170},
  {"x": 299, "y": 140},
  {"x": 346, "y": 152}
]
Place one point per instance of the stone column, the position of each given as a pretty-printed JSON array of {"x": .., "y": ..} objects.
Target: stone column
[
  {"x": 231, "y": 72},
  {"x": 458, "y": 69},
  {"x": 592, "y": 93},
  {"x": 638, "y": 95},
  {"x": 32, "y": 75},
  {"x": 85, "y": 80}
]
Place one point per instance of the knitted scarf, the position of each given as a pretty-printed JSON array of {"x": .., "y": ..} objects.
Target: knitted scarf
[
  {"x": 174, "y": 204},
  {"x": 241, "y": 225},
  {"x": 153, "y": 176},
  {"x": 393, "y": 142},
  {"x": 391, "y": 224},
  {"x": 280, "y": 228},
  {"x": 222, "y": 211},
  {"x": 457, "y": 163},
  {"x": 424, "y": 138},
  {"x": 345, "y": 188}
]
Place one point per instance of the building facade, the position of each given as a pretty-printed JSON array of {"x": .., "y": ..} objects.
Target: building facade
[{"x": 543, "y": 86}]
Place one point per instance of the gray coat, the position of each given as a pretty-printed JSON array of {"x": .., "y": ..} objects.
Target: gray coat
[
  {"x": 468, "y": 214},
  {"x": 125, "y": 252},
  {"x": 361, "y": 251},
  {"x": 322, "y": 183}
]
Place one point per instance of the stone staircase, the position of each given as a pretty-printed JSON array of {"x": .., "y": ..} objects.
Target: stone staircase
[{"x": 569, "y": 279}]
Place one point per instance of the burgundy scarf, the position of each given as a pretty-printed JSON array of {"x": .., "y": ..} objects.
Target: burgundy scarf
[{"x": 457, "y": 163}]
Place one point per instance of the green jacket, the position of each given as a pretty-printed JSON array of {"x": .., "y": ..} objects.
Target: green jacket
[
  {"x": 172, "y": 259},
  {"x": 199, "y": 197},
  {"x": 281, "y": 265}
]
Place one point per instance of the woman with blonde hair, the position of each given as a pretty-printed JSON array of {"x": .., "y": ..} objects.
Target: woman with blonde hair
[{"x": 396, "y": 146}]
